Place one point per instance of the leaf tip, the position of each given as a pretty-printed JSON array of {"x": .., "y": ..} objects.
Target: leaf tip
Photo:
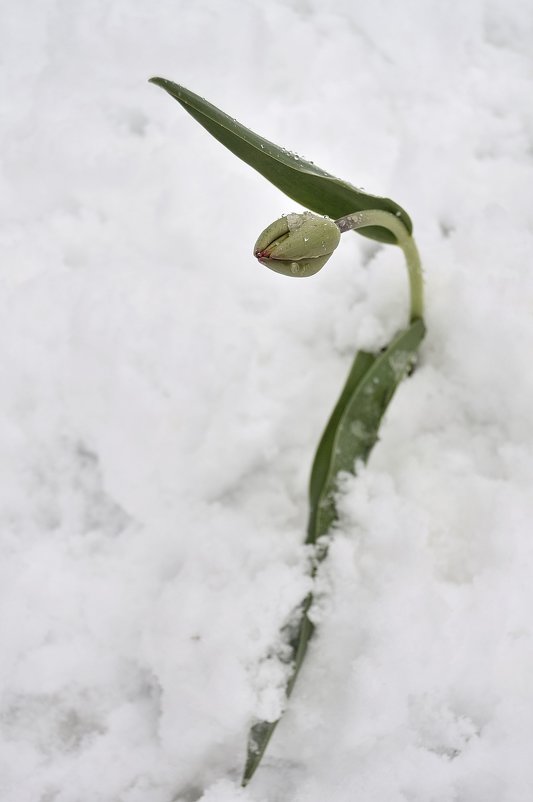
[
  {"x": 176, "y": 91},
  {"x": 156, "y": 80}
]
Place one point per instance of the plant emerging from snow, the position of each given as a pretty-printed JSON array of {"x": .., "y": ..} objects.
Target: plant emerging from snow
[{"x": 299, "y": 245}]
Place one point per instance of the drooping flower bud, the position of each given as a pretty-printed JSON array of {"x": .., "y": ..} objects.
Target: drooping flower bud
[{"x": 298, "y": 244}]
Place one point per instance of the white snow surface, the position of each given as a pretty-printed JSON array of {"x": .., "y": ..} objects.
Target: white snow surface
[{"x": 161, "y": 397}]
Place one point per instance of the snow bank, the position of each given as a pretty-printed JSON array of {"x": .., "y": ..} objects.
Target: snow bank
[{"x": 161, "y": 398}]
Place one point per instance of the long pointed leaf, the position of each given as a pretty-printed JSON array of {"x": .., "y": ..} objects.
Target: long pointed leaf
[
  {"x": 300, "y": 180},
  {"x": 262, "y": 731},
  {"x": 324, "y": 453},
  {"x": 353, "y": 426},
  {"x": 349, "y": 437}
]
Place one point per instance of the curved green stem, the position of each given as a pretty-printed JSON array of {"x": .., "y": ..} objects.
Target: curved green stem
[{"x": 376, "y": 217}]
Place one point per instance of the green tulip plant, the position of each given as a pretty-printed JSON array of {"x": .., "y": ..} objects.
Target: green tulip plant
[{"x": 299, "y": 245}]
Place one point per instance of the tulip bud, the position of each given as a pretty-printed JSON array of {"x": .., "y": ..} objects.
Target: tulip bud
[{"x": 298, "y": 244}]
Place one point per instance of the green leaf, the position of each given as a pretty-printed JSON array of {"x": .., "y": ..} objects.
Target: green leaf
[
  {"x": 323, "y": 462},
  {"x": 262, "y": 731},
  {"x": 352, "y": 429},
  {"x": 349, "y": 437},
  {"x": 300, "y": 180}
]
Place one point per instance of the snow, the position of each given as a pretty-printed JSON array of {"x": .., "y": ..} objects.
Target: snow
[{"x": 162, "y": 396}]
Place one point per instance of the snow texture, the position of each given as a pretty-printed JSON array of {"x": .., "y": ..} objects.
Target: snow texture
[{"x": 162, "y": 395}]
